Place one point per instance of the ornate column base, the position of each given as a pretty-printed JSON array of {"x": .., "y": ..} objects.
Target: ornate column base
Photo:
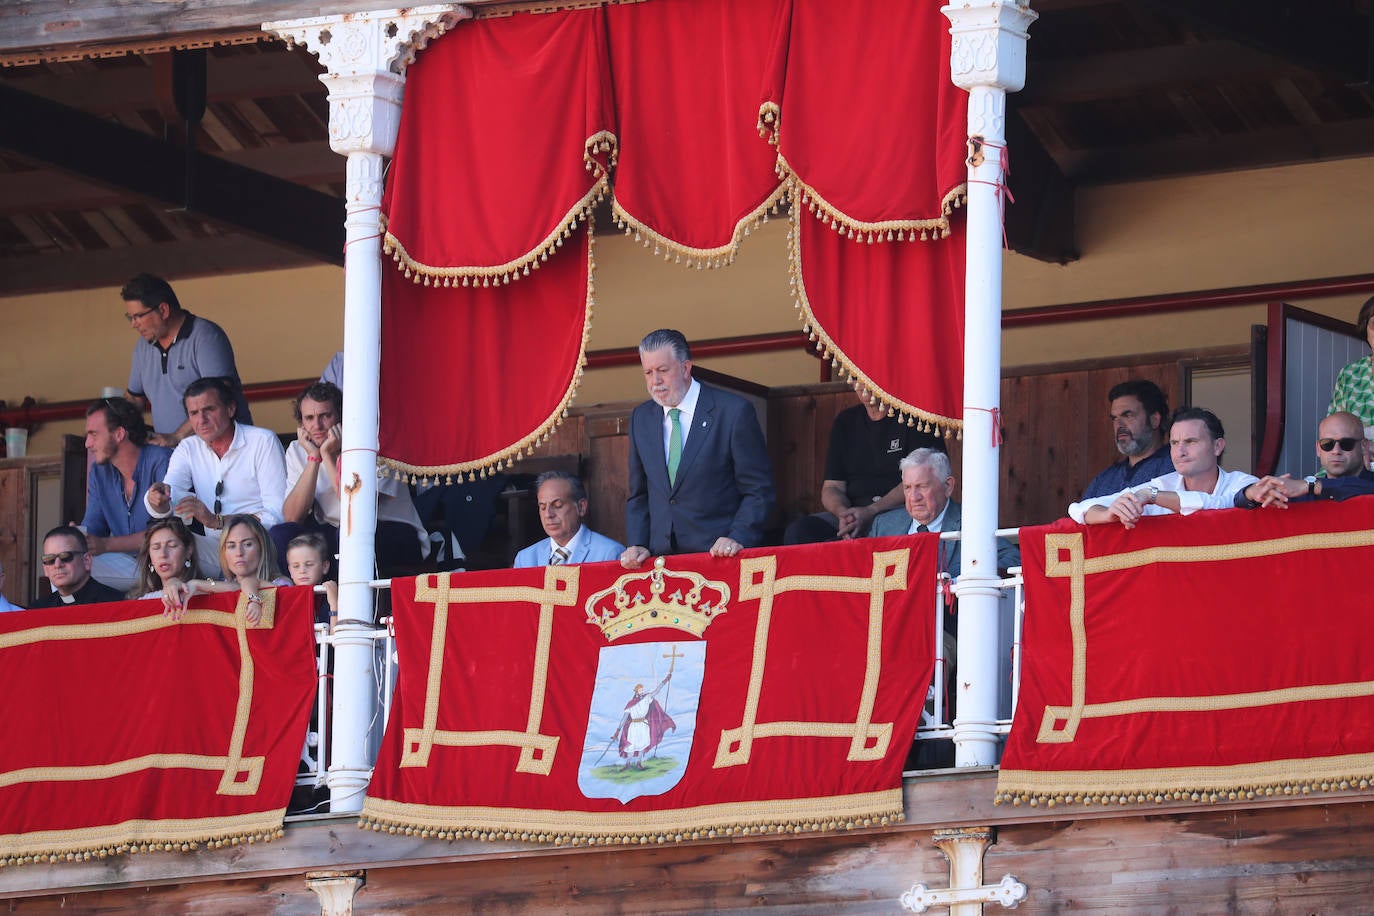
[{"x": 966, "y": 894}]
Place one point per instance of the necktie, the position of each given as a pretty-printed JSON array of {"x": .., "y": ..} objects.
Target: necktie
[
  {"x": 559, "y": 557},
  {"x": 922, "y": 529},
  {"x": 674, "y": 443}
]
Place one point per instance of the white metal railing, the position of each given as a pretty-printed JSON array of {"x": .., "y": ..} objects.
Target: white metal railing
[{"x": 933, "y": 725}]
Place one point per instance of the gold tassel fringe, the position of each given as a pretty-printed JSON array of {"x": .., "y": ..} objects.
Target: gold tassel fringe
[
  {"x": 1158, "y": 795},
  {"x": 81, "y": 853},
  {"x": 699, "y": 258}
]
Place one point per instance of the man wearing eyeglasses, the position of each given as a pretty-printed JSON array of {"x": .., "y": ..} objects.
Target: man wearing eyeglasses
[
  {"x": 67, "y": 564},
  {"x": 1340, "y": 449},
  {"x": 226, "y": 468},
  {"x": 174, "y": 349}
]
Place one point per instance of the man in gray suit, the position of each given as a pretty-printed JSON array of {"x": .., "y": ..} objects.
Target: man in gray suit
[
  {"x": 562, "y": 506},
  {"x": 927, "y": 483}
]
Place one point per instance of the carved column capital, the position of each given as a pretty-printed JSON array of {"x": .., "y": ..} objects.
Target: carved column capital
[
  {"x": 336, "y": 890},
  {"x": 989, "y": 43},
  {"x": 365, "y": 55}
]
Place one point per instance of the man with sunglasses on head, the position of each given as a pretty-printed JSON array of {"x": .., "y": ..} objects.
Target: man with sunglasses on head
[
  {"x": 227, "y": 468},
  {"x": 174, "y": 349},
  {"x": 67, "y": 564},
  {"x": 1340, "y": 449}
]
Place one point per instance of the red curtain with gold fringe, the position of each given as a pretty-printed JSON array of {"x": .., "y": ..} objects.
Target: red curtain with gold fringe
[
  {"x": 126, "y": 730},
  {"x": 511, "y": 132},
  {"x": 693, "y": 177}
]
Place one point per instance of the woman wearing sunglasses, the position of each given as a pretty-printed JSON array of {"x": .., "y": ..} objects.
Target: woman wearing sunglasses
[
  {"x": 168, "y": 553},
  {"x": 249, "y": 563}
]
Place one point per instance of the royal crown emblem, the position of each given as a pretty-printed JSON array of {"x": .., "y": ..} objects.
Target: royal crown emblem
[{"x": 661, "y": 597}]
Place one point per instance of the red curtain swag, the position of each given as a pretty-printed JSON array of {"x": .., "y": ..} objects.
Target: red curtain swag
[
  {"x": 771, "y": 692},
  {"x": 503, "y": 147},
  {"x": 483, "y": 373},
  {"x": 1184, "y": 659},
  {"x": 512, "y": 124},
  {"x": 127, "y": 730},
  {"x": 692, "y": 177}
]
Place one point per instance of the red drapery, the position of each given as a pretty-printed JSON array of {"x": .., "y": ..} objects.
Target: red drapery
[
  {"x": 484, "y": 372},
  {"x": 127, "y": 730},
  {"x": 693, "y": 177},
  {"x": 503, "y": 147},
  {"x": 773, "y": 691},
  {"x": 506, "y": 141},
  {"x": 1185, "y": 659}
]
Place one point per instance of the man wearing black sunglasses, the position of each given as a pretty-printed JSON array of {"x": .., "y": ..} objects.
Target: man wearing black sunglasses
[
  {"x": 67, "y": 564},
  {"x": 1340, "y": 449}
]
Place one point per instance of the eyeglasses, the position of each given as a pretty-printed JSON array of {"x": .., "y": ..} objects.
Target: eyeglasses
[
  {"x": 136, "y": 316},
  {"x": 219, "y": 491},
  {"x": 65, "y": 557},
  {"x": 1347, "y": 445}
]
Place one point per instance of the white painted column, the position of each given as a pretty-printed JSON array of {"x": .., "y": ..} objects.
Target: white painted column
[
  {"x": 988, "y": 58},
  {"x": 365, "y": 55}
]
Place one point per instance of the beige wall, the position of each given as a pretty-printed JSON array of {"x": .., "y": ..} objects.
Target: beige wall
[{"x": 1177, "y": 235}]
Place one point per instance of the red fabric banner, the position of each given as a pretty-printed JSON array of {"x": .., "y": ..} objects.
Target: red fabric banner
[
  {"x": 693, "y": 176},
  {"x": 866, "y": 119},
  {"x": 451, "y": 385},
  {"x": 503, "y": 146},
  {"x": 1184, "y": 659},
  {"x": 777, "y": 690},
  {"x": 127, "y": 730},
  {"x": 891, "y": 317}
]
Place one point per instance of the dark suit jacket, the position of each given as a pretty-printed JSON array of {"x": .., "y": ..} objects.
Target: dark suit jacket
[
  {"x": 724, "y": 481},
  {"x": 897, "y": 521}
]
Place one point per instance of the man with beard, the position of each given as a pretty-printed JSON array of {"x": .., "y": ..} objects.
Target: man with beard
[
  {"x": 1196, "y": 441},
  {"x": 1138, "y": 409},
  {"x": 123, "y": 467}
]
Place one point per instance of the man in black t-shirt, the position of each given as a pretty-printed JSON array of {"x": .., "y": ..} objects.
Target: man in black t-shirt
[{"x": 861, "y": 474}]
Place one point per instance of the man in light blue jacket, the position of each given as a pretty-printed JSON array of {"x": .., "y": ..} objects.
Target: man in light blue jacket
[{"x": 562, "y": 506}]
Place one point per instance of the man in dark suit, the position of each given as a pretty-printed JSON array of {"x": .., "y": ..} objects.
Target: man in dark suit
[
  {"x": 700, "y": 479},
  {"x": 927, "y": 483}
]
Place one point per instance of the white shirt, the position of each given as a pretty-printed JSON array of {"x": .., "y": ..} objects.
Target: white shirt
[
  {"x": 393, "y": 497},
  {"x": 935, "y": 525},
  {"x": 571, "y": 546},
  {"x": 1223, "y": 495},
  {"x": 253, "y": 471},
  {"x": 688, "y": 406}
]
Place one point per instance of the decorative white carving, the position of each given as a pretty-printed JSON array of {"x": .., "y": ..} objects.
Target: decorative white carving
[
  {"x": 987, "y": 113},
  {"x": 363, "y": 191},
  {"x": 989, "y": 43},
  {"x": 365, "y": 55},
  {"x": 964, "y": 848},
  {"x": 336, "y": 890}
]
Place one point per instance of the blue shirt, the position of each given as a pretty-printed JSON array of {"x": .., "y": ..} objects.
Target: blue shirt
[
  {"x": 1122, "y": 475},
  {"x": 107, "y": 514}
]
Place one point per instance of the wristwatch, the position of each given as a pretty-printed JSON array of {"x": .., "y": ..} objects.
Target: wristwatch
[
  {"x": 1154, "y": 494},
  {"x": 1311, "y": 485}
]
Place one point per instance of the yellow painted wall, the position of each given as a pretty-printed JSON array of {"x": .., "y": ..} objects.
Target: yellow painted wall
[{"x": 1174, "y": 235}]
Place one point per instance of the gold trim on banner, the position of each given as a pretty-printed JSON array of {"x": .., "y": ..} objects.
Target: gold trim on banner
[
  {"x": 524, "y": 447},
  {"x": 238, "y": 775},
  {"x": 602, "y": 143},
  {"x": 85, "y": 843},
  {"x": 536, "y": 750},
  {"x": 535, "y": 825},
  {"x": 1059, "y": 723},
  {"x": 826, "y": 347},
  {"x": 867, "y": 740},
  {"x": 699, "y": 258}
]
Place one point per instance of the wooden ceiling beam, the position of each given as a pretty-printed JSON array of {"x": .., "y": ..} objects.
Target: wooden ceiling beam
[
  {"x": 1227, "y": 153},
  {"x": 228, "y": 79},
  {"x": 107, "y": 153},
  {"x": 45, "y": 189},
  {"x": 111, "y": 267},
  {"x": 1121, "y": 74}
]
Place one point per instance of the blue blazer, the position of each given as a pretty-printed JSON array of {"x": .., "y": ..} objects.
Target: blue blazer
[
  {"x": 896, "y": 521},
  {"x": 724, "y": 482},
  {"x": 591, "y": 548}
]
